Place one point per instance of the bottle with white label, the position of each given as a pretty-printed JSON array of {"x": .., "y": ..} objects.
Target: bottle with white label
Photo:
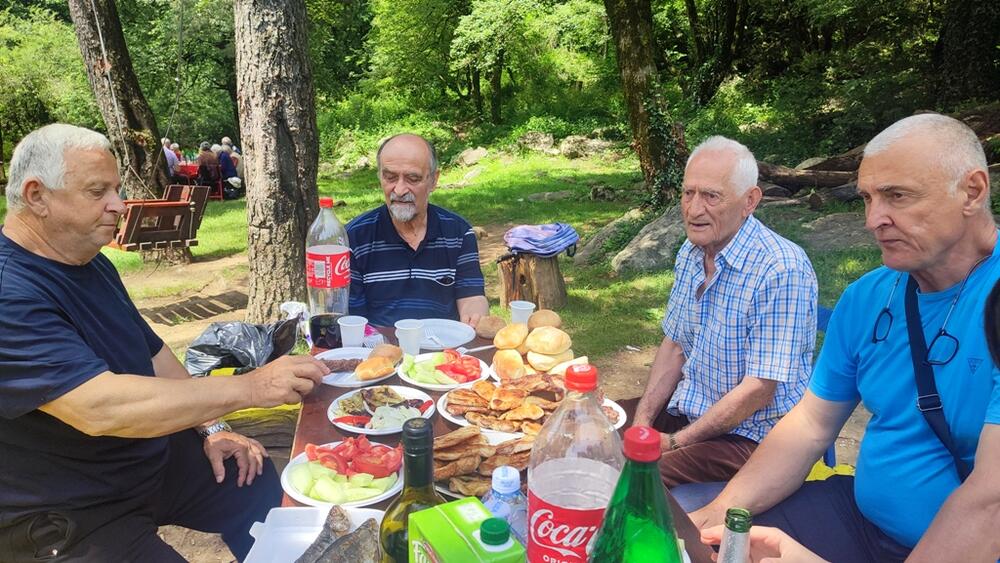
[
  {"x": 575, "y": 463},
  {"x": 328, "y": 275}
]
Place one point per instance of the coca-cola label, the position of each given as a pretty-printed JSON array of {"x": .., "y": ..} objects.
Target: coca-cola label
[
  {"x": 328, "y": 270},
  {"x": 557, "y": 534}
]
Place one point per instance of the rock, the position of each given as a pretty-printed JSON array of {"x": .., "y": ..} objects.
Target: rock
[
  {"x": 550, "y": 196},
  {"x": 326, "y": 170},
  {"x": 577, "y": 146},
  {"x": 468, "y": 157},
  {"x": 838, "y": 231},
  {"x": 471, "y": 175},
  {"x": 607, "y": 133},
  {"x": 809, "y": 162},
  {"x": 363, "y": 163},
  {"x": 594, "y": 248},
  {"x": 480, "y": 232},
  {"x": 773, "y": 190},
  {"x": 654, "y": 247},
  {"x": 604, "y": 193},
  {"x": 536, "y": 141},
  {"x": 552, "y": 152}
]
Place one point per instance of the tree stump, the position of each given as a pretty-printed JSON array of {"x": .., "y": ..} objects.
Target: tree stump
[{"x": 532, "y": 278}]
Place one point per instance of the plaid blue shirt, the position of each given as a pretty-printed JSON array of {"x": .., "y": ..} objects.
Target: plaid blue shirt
[
  {"x": 755, "y": 318},
  {"x": 392, "y": 281}
]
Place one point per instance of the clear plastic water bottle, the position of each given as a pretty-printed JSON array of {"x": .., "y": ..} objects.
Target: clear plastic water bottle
[
  {"x": 575, "y": 464},
  {"x": 328, "y": 275},
  {"x": 505, "y": 500}
]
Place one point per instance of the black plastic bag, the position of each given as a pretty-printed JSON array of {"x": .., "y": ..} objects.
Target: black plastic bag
[{"x": 240, "y": 345}]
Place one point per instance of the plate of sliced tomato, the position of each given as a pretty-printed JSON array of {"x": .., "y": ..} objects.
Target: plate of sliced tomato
[
  {"x": 458, "y": 370},
  {"x": 349, "y": 457}
]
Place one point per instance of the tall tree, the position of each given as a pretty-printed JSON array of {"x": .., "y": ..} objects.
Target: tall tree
[
  {"x": 130, "y": 123},
  {"x": 658, "y": 141},
  {"x": 277, "y": 109},
  {"x": 967, "y": 54}
]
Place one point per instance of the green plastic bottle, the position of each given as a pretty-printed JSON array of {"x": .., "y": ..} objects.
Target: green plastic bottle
[{"x": 638, "y": 526}]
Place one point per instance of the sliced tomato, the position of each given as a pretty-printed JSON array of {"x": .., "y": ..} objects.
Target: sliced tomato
[
  {"x": 363, "y": 444},
  {"x": 471, "y": 365},
  {"x": 334, "y": 462},
  {"x": 353, "y": 420},
  {"x": 424, "y": 406},
  {"x": 311, "y": 452},
  {"x": 381, "y": 461},
  {"x": 346, "y": 449},
  {"x": 450, "y": 356}
]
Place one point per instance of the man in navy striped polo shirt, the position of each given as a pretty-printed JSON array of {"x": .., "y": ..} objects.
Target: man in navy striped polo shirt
[{"x": 410, "y": 259}]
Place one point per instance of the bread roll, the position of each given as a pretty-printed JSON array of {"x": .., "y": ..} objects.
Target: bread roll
[
  {"x": 561, "y": 368},
  {"x": 393, "y": 353},
  {"x": 508, "y": 364},
  {"x": 544, "y": 317},
  {"x": 374, "y": 368},
  {"x": 544, "y": 362},
  {"x": 510, "y": 336},
  {"x": 549, "y": 341},
  {"x": 523, "y": 348},
  {"x": 488, "y": 326}
]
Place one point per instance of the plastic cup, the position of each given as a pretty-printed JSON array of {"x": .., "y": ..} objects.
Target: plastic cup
[
  {"x": 352, "y": 330},
  {"x": 520, "y": 311},
  {"x": 409, "y": 333}
]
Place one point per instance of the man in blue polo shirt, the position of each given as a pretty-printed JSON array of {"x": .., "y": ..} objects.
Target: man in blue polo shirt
[
  {"x": 927, "y": 200},
  {"x": 410, "y": 259}
]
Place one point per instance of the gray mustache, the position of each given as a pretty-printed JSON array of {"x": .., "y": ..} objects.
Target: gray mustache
[{"x": 408, "y": 198}]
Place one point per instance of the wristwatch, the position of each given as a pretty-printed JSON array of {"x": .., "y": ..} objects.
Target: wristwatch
[{"x": 219, "y": 426}]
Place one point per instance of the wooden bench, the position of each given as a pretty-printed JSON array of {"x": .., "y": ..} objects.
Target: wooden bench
[{"x": 162, "y": 224}]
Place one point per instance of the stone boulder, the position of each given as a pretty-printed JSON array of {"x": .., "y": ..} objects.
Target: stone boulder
[
  {"x": 551, "y": 196},
  {"x": 472, "y": 175},
  {"x": 536, "y": 141},
  {"x": 362, "y": 163},
  {"x": 653, "y": 249},
  {"x": 578, "y": 146},
  {"x": 838, "y": 231},
  {"x": 468, "y": 157},
  {"x": 594, "y": 249}
]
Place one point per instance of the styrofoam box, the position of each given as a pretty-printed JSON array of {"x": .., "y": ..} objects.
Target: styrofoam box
[{"x": 287, "y": 532}]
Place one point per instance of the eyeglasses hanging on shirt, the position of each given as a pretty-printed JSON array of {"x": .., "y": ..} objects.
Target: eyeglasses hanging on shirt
[{"x": 944, "y": 346}]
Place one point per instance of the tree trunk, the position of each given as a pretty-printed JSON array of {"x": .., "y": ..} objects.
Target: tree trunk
[
  {"x": 658, "y": 142},
  {"x": 3, "y": 171},
  {"x": 477, "y": 94},
  {"x": 129, "y": 120},
  {"x": 495, "y": 95},
  {"x": 966, "y": 52},
  {"x": 278, "y": 120},
  {"x": 797, "y": 179}
]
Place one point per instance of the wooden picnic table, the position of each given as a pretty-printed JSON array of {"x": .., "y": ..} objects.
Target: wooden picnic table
[{"x": 313, "y": 427}]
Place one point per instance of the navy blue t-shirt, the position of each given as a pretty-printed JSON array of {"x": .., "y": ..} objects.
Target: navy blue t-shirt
[
  {"x": 392, "y": 281},
  {"x": 60, "y": 326}
]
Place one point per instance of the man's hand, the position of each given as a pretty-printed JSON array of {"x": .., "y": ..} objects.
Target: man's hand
[
  {"x": 708, "y": 516},
  {"x": 472, "y": 320},
  {"x": 767, "y": 545},
  {"x": 249, "y": 454},
  {"x": 666, "y": 444},
  {"x": 285, "y": 380}
]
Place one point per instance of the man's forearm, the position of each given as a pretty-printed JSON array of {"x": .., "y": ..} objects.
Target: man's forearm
[
  {"x": 664, "y": 375},
  {"x": 751, "y": 395}
]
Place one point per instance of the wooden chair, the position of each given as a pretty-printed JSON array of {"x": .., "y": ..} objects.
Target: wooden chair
[
  {"x": 211, "y": 175},
  {"x": 157, "y": 224}
]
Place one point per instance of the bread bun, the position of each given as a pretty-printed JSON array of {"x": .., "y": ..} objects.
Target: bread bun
[
  {"x": 528, "y": 370},
  {"x": 374, "y": 368},
  {"x": 508, "y": 364},
  {"x": 523, "y": 348},
  {"x": 544, "y": 362},
  {"x": 544, "y": 317},
  {"x": 561, "y": 368},
  {"x": 488, "y": 326},
  {"x": 549, "y": 341},
  {"x": 510, "y": 336},
  {"x": 392, "y": 353}
]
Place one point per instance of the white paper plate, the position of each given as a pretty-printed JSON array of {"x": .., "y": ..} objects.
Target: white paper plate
[
  {"x": 347, "y": 379},
  {"x": 405, "y": 392},
  {"x": 286, "y": 484},
  {"x": 452, "y": 334},
  {"x": 485, "y": 373},
  {"x": 287, "y": 532},
  {"x": 442, "y": 405}
]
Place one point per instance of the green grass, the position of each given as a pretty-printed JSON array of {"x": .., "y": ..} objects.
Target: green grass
[{"x": 605, "y": 312}]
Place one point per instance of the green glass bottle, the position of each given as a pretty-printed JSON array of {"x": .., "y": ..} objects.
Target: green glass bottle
[
  {"x": 418, "y": 490},
  {"x": 638, "y": 526},
  {"x": 735, "y": 546}
]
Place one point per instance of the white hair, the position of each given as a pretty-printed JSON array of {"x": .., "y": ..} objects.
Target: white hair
[
  {"x": 165, "y": 142},
  {"x": 960, "y": 152},
  {"x": 228, "y": 149},
  {"x": 41, "y": 154},
  {"x": 174, "y": 146},
  {"x": 216, "y": 148},
  {"x": 743, "y": 175},
  {"x": 227, "y": 141}
]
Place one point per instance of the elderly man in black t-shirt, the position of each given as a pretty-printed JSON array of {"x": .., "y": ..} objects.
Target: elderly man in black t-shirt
[{"x": 99, "y": 422}]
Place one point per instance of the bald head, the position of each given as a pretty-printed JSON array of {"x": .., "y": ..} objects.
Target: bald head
[{"x": 408, "y": 143}]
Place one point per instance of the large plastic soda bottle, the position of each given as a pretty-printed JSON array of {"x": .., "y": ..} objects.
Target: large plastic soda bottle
[
  {"x": 328, "y": 267},
  {"x": 575, "y": 464}
]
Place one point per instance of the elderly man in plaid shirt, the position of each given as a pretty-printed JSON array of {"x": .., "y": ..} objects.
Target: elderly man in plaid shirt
[{"x": 739, "y": 329}]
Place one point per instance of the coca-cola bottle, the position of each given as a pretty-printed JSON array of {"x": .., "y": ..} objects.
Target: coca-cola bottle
[
  {"x": 575, "y": 463},
  {"x": 328, "y": 275}
]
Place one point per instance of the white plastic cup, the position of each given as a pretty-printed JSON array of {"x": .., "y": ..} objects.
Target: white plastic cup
[
  {"x": 409, "y": 333},
  {"x": 352, "y": 330},
  {"x": 520, "y": 311}
]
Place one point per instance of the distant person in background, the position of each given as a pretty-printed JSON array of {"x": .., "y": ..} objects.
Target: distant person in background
[
  {"x": 226, "y": 141},
  {"x": 173, "y": 162},
  {"x": 233, "y": 186},
  {"x": 208, "y": 165},
  {"x": 177, "y": 151}
]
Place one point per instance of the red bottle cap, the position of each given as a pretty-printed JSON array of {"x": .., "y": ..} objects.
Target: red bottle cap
[
  {"x": 326, "y": 202},
  {"x": 642, "y": 444},
  {"x": 582, "y": 378}
]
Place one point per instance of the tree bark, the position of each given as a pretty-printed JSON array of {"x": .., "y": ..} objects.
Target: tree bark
[
  {"x": 278, "y": 121},
  {"x": 129, "y": 120},
  {"x": 496, "y": 97},
  {"x": 658, "y": 143},
  {"x": 477, "y": 94}
]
